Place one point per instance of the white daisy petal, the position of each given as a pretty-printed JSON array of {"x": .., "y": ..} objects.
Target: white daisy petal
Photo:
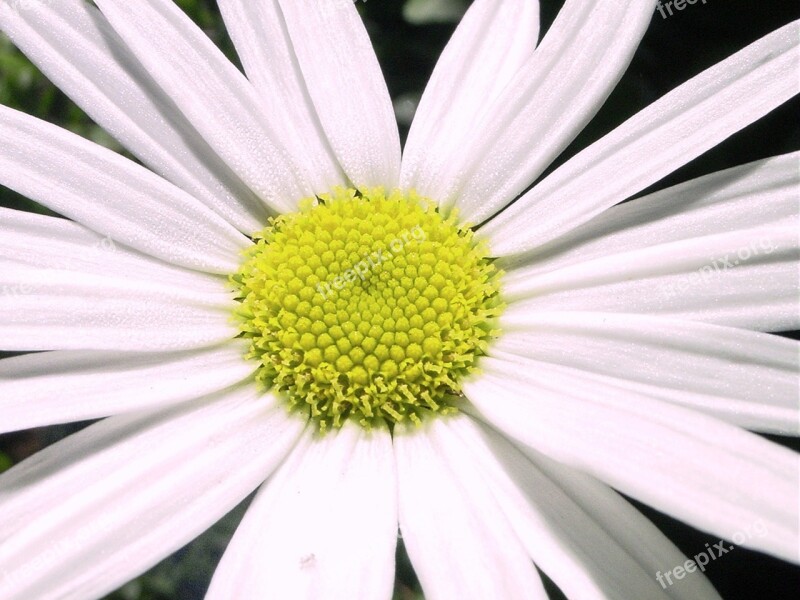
[
  {"x": 122, "y": 300},
  {"x": 712, "y": 475},
  {"x": 324, "y": 526},
  {"x": 215, "y": 97},
  {"x": 560, "y": 88},
  {"x": 552, "y": 509},
  {"x": 743, "y": 377},
  {"x": 258, "y": 31},
  {"x": 492, "y": 41},
  {"x": 631, "y": 530},
  {"x": 746, "y": 278},
  {"x": 61, "y": 387},
  {"x": 347, "y": 87},
  {"x": 459, "y": 542},
  {"x": 87, "y": 514},
  {"x": 759, "y": 194},
  {"x": 42, "y": 242},
  {"x": 113, "y": 195},
  {"x": 686, "y": 122},
  {"x": 48, "y": 309},
  {"x": 73, "y": 45}
]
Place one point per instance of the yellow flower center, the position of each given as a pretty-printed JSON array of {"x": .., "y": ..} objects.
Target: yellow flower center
[{"x": 368, "y": 307}]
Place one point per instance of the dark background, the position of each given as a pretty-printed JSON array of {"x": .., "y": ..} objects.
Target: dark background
[{"x": 408, "y": 37}]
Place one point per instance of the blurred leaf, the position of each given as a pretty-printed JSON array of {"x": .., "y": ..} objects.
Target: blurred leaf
[
  {"x": 5, "y": 462},
  {"x": 421, "y": 12}
]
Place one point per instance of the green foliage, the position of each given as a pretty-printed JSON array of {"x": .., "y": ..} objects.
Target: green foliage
[
  {"x": 5, "y": 462},
  {"x": 421, "y": 12}
]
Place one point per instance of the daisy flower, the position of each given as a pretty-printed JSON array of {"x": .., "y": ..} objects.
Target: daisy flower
[{"x": 275, "y": 300}]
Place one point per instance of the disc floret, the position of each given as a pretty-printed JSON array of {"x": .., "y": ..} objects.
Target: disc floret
[{"x": 367, "y": 306}]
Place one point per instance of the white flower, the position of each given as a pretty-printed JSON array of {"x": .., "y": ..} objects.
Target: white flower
[{"x": 629, "y": 357}]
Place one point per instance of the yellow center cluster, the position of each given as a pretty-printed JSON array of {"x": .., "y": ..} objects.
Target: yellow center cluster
[{"x": 368, "y": 307}]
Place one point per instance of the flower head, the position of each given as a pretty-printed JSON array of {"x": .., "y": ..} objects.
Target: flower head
[
  {"x": 367, "y": 307},
  {"x": 277, "y": 300}
]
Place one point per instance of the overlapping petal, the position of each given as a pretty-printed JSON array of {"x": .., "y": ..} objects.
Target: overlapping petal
[
  {"x": 48, "y": 388},
  {"x": 42, "y": 242},
  {"x": 215, "y": 98},
  {"x": 491, "y": 43},
  {"x": 589, "y": 540},
  {"x": 560, "y": 88},
  {"x": 52, "y": 309},
  {"x": 259, "y": 32},
  {"x": 743, "y": 377},
  {"x": 760, "y": 194},
  {"x": 324, "y": 526},
  {"x": 686, "y": 122},
  {"x": 347, "y": 88},
  {"x": 712, "y": 475},
  {"x": 113, "y": 195},
  {"x": 460, "y": 543},
  {"x": 746, "y": 278},
  {"x": 85, "y": 515},
  {"x": 71, "y": 43}
]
